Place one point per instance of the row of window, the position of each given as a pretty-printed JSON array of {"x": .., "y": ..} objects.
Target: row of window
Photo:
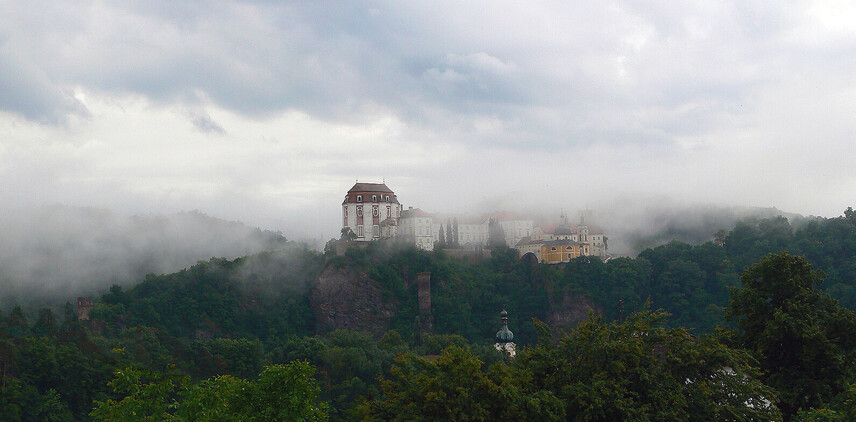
[
  {"x": 553, "y": 248},
  {"x": 375, "y": 231},
  {"x": 374, "y": 198},
  {"x": 375, "y": 211}
]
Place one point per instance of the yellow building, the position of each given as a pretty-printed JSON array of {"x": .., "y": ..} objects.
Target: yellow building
[{"x": 557, "y": 251}]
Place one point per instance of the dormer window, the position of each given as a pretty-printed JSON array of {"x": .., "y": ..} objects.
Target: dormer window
[
  {"x": 387, "y": 198},
  {"x": 374, "y": 198},
  {"x": 359, "y": 198}
]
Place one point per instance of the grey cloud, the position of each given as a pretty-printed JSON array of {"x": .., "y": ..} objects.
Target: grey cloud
[
  {"x": 29, "y": 92},
  {"x": 543, "y": 78},
  {"x": 339, "y": 61},
  {"x": 203, "y": 123}
]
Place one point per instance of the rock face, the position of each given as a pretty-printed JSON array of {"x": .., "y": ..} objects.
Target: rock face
[
  {"x": 344, "y": 298},
  {"x": 573, "y": 309}
]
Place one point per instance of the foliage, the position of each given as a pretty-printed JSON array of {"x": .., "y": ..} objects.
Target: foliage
[
  {"x": 218, "y": 324},
  {"x": 456, "y": 387},
  {"x": 281, "y": 392},
  {"x": 495, "y": 233},
  {"x": 802, "y": 338},
  {"x": 638, "y": 370}
]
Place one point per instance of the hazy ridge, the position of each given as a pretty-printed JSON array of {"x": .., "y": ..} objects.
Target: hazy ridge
[
  {"x": 53, "y": 253},
  {"x": 57, "y": 252}
]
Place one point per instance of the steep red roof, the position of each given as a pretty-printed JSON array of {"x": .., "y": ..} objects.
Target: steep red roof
[
  {"x": 370, "y": 187},
  {"x": 366, "y": 190}
]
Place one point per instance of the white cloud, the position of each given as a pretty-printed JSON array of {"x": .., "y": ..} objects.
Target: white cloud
[{"x": 267, "y": 112}]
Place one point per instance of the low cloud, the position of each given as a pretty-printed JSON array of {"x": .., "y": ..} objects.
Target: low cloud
[
  {"x": 283, "y": 104},
  {"x": 203, "y": 123}
]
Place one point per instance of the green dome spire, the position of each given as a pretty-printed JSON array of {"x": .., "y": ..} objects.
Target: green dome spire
[{"x": 504, "y": 335}]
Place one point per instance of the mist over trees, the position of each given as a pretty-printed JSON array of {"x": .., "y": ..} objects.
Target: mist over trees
[
  {"x": 746, "y": 322},
  {"x": 54, "y": 253}
]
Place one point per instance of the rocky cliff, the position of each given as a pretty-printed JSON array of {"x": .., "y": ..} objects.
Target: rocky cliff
[{"x": 347, "y": 298}]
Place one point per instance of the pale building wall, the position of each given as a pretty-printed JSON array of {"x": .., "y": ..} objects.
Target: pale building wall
[
  {"x": 351, "y": 211},
  {"x": 516, "y": 230}
]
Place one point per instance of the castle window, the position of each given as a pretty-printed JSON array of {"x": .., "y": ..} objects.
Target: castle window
[
  {"x": 359, "y": 198},
  {"x": 360, "y": 211},
  {"x": 388, "y": 211},
  {"x": 375, "y": 231},
  {"x": 374, "y": 211},
  {"x": 360, "y": 231},
  {"x": 553, "y": 248}
]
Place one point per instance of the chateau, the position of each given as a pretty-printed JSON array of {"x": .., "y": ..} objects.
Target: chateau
[
  {"x": 366, "y": 206},
  {"x": 371, "y": 211}
]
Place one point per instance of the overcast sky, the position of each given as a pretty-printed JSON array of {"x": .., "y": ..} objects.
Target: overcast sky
[{"x": 267, "y": 112}]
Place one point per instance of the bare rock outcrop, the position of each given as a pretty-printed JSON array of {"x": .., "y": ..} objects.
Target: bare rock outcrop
[
  {"x": 572, "y": 309},
  {"x": 349, "y": 299}
]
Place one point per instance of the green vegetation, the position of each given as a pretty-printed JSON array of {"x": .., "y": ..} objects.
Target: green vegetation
[{"x": 732, "y": 329}]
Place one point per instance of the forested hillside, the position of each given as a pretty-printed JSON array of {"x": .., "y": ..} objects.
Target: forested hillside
[
  {"x": 52, "y": 253},
  {"x": 593, "y": 345}
]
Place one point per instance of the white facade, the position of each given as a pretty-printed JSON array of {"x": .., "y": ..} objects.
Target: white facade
[
  {"x": 366, "y": 206},
  {"x": 515, "y": 230},
  {"x": 472, "y": 234},
  {"x": 418, "y": 227},
  {"x": 372, "y": 212}
]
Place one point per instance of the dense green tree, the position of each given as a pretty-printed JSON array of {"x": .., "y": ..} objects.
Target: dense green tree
[
  {"x": 16, "y": 324},
  {"x": 281, "y": 392},
  {"x": 842, "y": 408},
  {"x": 143, "y": 395},
  {"x": 457, "y": 387},
  {"x": 46, "y": 324},
  {"x": 803, "y": 340},
  {"x": 495, "y": 234},
  {"x": 53, "y": 408},
  {"x": 347, "y": 234},
  {"x": 753, "y": 238},
  {"x": 639, "y": 370}
]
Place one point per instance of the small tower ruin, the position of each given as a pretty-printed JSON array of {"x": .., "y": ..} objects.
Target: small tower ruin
[
  {"x": 84, "y": 305},
  {"x": 424, "y": 321}
]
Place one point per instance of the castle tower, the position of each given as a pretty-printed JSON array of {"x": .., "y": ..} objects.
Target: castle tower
[
  {"x": 84, "y": 305},
  {"x": 366, "y": 206}
]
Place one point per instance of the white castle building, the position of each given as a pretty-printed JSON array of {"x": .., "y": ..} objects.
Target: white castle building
[
  {"x": 366, "y": 208},
  {"x": 372, "y": 211}
]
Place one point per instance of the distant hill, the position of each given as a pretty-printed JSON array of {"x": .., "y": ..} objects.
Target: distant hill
[
  {"x": 56, "y": 252},
  {"x": 635, "y": 227}
]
